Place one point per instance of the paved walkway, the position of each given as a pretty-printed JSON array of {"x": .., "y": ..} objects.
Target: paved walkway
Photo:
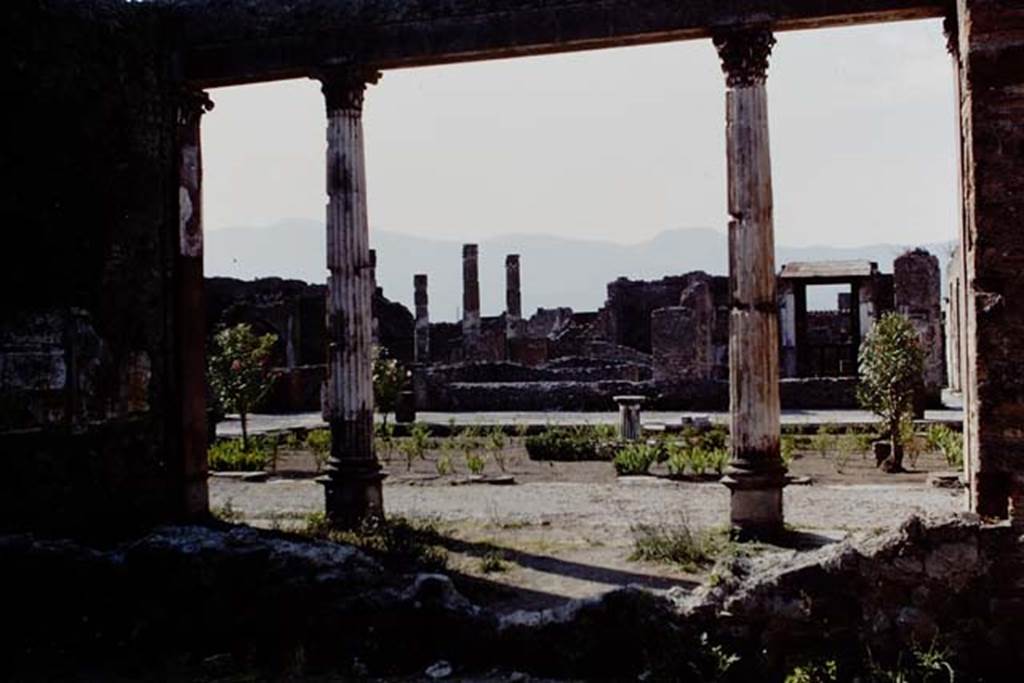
[{"x": 261, "y": 424}]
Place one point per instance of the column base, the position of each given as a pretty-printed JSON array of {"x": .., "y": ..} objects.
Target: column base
[
  {"x": 353, "y": 493},
  {"x": 755, "y": 503}
]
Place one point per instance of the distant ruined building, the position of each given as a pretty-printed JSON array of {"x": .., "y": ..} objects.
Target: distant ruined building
[{"x": 667, "y": 339}]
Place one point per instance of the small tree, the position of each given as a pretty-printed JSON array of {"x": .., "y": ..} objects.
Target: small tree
[
  {"x": 240, "y": 372},
  {"x": 891, "y": 371},
  {"x": 388, "y": 379}
]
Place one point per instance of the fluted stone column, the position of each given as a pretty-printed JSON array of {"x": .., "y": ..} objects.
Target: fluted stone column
[
  {"x": 513, "y": 302},
  {"x": 422, "y": 328},
  {"x": 190, "y": 308},
  {"x": 470, "y": 302},
  {"x": 757, "y": 474},
  {"x": 352, "y": 483}
]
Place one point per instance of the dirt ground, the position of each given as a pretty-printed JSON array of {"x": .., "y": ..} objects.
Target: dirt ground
[{"x": 566, "y": 530}]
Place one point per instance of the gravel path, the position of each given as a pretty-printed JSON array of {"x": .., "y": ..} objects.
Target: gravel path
[
  {"x": 606, "y": 506},
  {"x": 574, "y": 539}
]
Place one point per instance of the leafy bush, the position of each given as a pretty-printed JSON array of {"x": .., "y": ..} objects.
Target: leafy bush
[
  {"x": 678, "y": 459},
  {"x": 496, "y": 445},
  {"x": 493, "y": 562},
  {"x": 787, "y": 450},
  {"x": 385, "y": 440},
  {"x": 239, "y": 371},
  {"x": 319, "y": 443},
  {"x": 475, "y": 462},
  {"x": 444, "y": 465},
  {"x": 231, "y": 456},
  {"x": 891, "y": 372},
  {"x": 416, "y": 445},
  {"x": 397, "y": 542},
  {"x": 388, "y": 381},
  {"x": 949, "y": 442},
  {"x": 635, "y": 458},
  {"x": 678, "y": 544},
  {"x": 564, "y": 445}
]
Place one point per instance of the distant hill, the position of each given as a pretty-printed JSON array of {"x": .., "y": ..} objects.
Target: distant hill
[{"x": 555, "y": 271}]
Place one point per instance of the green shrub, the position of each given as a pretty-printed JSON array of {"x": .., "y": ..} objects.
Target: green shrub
[
  {"x": 635, "y": 458},
  {"x": 891, "y": 372},
  {"x": 493, "y": 562},
  {"x": 385, "y": 440},
  {"x": 787, "y": 450},
  {"x": 496, "y": 445},
  {"x": 718, "y": 459},
  {"x": 678, "y": 459},
  {"x": 564, "y": 445},
  {"x": 239, "y": 371},
  {"x": 444, "y": 465},
  {"x": 475, "y": 462},
  {"x": 949, "y": 442},
  {"x": 318, "y": 442},
  {"x": 231, "y": 456},
  {"x": 397, "y": 542},
  {"x": 678, "y": 544}
]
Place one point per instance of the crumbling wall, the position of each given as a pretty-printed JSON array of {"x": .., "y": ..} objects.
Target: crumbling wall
[
  {"x": 682, "y": 336},
  {"x": 88, "y": 373},
  {"x": 280, "y": 603},
  {"x": 917, "y": 292},
  {"x": 990, "y": 48}
]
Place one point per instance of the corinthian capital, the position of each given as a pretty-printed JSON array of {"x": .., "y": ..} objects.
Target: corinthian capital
[
  {"x": 344, "y": 85},
  {"x": 192, "y": 104},
  {"x": 744, "y": 54}
]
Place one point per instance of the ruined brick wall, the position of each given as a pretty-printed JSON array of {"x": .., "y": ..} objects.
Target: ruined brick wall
[
  {"x": 917, "y": 292},
  {"x": 87, "y": 365},
  {"x": 681, "y": 336},
  {"x": 631, "y": 302},
  {"x": 991, "y": 60}
]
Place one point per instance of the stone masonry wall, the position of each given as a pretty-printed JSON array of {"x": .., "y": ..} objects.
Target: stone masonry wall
[
  {"x": 88, "y": 375},
  {"x": 917, "y": 292},
  {"x": 991, "y": 58}
]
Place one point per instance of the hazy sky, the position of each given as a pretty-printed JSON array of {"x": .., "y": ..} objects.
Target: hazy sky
[{"x": 617, "y": 144}]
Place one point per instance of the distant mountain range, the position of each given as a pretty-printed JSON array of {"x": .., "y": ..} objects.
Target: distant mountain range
[{"x": 555, "y": 271}]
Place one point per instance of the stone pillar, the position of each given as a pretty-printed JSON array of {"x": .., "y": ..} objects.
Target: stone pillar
[
  {"x": 917, "y": 292},
  {"x": 470, "y": 303},
  {"x": 787, "y": 326},
  {"x": 421, "y": 349},
  {"x": 352, "y": 483},
  {"x": 757, "y": 474},
  {"x": 191, "y": 308},
  {"x": 629, "y": 416},
  {"x": 513, "y": 297},
  {"x": 990, "y": 44}
]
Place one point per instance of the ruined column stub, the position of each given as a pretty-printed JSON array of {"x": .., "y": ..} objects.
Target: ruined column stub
[
  {"x": 422, "y": 325},
  {"x": 190, "y": 307},
  {"x": 352, "y": 483},
  {"x": 629, "y": 416},
  {"x": 513, "y": 297},
  {"x": 470, "y": 302},
  {"x": 757, "y": 474}
]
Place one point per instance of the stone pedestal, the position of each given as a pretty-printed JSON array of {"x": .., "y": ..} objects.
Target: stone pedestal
[
  {"x": 629, "y": 416},
  {"x": 352, "y": 484},
  {"x": 756, "y": 475}
]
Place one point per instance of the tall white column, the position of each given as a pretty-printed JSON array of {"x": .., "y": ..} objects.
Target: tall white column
[
  {"x": 757, "y": 474},
  {"x": 352, "y": 483}
]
